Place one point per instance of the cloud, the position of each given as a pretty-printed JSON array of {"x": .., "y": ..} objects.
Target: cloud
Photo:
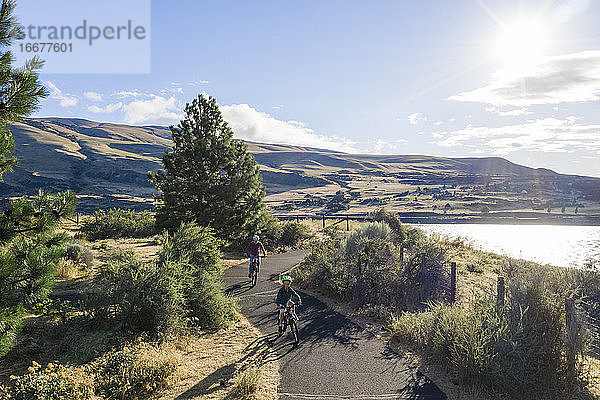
[
  {"x": 174, "y": 90},
  {"x": 92, "y": 96},
  {"x": 249, "y": 124},
  {"x": 509, "y": 113},
  {"x": 110, "y": 108},
  {"x": 197, "y": 83},
  {"x": 546, "y": 135},
  {"x": 559, "y": 79},
  {"x": 123, "y": 94},
  {"x": 380, "y": 145},
  {"x": 156, "y": 110},
  {"x": 415, "y": 118},
  {"x": 65, "y": 99}
]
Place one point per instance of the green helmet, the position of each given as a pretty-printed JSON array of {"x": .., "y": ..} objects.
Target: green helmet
[{"x": 286, "y": 278}]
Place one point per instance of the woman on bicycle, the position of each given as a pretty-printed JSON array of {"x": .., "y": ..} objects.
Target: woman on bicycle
[
  {"x": 285, "y": 294},
  {"x": 253, "y": 249}
]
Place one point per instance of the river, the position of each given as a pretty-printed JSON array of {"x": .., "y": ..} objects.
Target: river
[{"x": 567, "y": 246}]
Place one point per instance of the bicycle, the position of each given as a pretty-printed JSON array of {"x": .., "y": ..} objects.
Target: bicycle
[
  {"x": 254, "y": 271},
  {"x": 290, "y": 318}
]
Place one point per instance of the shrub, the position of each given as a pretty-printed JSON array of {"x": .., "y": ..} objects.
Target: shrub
[
  {"x": 119, "y": 223},
  {"x": 140, "y": 296},
  {"x": 292, "y": 233},
  {"x": 194, "y": 245},
  {"x": 367, "y": 268},
  {"x": 247, "y": 383},
  {"x": 398, "y": 230},
  {"x": 476, "y": 268},
  {"x": 55, "y": 382},
  {"x": 324, "y": 267},
  {"x": 372, "y": 230},
  {"x": 79, "y": 253},
  {"x": 208, "y": 306},
  {"x": 518, "y": 350},
  {"x": 133, "y": 372},
  {"x": 182, "y": 287}
]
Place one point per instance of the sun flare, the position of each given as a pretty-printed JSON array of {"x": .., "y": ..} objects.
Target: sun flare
[{"x": 522, "y": 45}]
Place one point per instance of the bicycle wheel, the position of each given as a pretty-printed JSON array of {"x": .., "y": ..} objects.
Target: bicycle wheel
[
  {"x": 294, "y": 329},
  {"x": 254, "y": 276}
]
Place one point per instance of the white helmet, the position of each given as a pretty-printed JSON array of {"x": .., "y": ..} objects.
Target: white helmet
[{"x": 255, "y": 238}]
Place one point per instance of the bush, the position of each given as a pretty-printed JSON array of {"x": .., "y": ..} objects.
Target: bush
[
  {"x": 55, "y": 382},
  {"x": 324, "y": 267},
  {"x": 518, "y": 350},
  {"x": 372, "y": 230},
  {"x": 193, "y": 245},
  {"x": 367, "y": 268},
  {"x": 398, "y": 230},
  {"x": 119, "y": 223},
  {"x": 133, "y": 372},
  {"x": 79, "y": 253},
  {"x": 292, "y": 233},
  {"x": 140, "y": 296},
  {"x": 247, "y": 383},
  {"x": 209, "y": 307},
  {"x": 182, "y": 287}
]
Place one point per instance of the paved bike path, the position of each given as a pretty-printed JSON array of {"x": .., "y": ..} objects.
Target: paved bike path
[{"x": 336, "y": 358}]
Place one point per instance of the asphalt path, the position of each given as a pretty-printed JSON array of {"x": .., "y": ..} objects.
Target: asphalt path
[{"x": 336, "y": 358}]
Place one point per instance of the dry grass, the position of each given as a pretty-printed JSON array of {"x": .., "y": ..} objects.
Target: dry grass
[
  {"x": 229, "y": 259},
  {"x": 212, "y": 364}
]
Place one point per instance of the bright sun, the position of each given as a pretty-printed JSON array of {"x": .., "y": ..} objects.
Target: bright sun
[{"x": 522, "y": 45}]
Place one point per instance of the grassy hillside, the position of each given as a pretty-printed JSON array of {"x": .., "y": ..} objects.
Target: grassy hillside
[{"x": 106, "y": 164}]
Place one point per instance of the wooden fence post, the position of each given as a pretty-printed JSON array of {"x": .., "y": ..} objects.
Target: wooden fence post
[
  {"x": 500, "y": 293},
  {"x": 571, "y": 333},
  {"x": 297, "y": 219},
  {"x": 401, "y": 253},
  {"x": 77, "y": 218},
  {"x": 347, "y": 223},
  {"x": 323, "y": 221},
  {"x": 452, "y": 282}
]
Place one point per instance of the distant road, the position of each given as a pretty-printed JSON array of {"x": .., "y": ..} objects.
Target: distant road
[{"x": 336, "y": 358}]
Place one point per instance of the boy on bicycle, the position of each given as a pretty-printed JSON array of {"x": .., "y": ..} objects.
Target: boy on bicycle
[
  {"x": 254, "y": 248},
  {"x": 285, "y": 294}
]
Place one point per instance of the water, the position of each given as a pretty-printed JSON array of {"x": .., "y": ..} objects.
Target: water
[{"x": 567, "y": 246}]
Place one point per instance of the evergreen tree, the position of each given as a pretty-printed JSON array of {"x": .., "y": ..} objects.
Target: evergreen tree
[
  {"x": 209, "y": 177},
  {"x": 29, "y": 244},
  {"x": 20, "y": 89}
]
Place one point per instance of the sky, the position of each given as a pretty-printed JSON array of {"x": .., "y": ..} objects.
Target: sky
[{"x": 466, "y": 78}]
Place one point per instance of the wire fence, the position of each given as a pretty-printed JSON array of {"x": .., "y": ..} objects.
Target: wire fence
[{"x": 589, "y": 315}]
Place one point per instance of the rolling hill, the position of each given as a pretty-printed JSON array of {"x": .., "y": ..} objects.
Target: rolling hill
[{"x": 107, "y": 164}]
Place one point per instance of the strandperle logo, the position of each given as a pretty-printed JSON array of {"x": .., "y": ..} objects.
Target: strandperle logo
[
  {"x": 86, "y": 37},
  {"x": 86, "y": 31}
]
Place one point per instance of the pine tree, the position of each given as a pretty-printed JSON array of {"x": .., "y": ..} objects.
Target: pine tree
[
  {"x": 209, "y": 177},
  {"x": 20, "y": 89},
  {"x": 29, "y": 244}
]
